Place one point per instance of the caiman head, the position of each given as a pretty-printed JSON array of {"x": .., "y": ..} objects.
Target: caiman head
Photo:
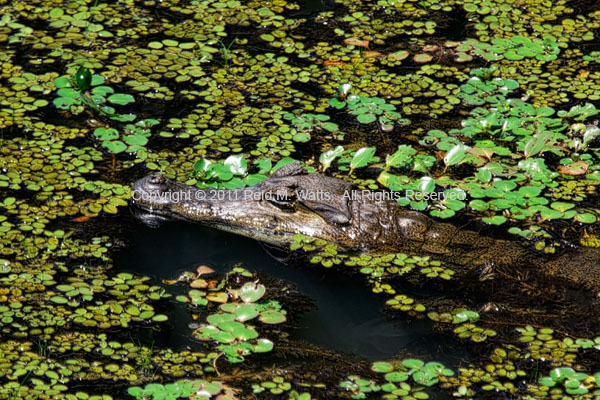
[{"x": 290, "y": 201}]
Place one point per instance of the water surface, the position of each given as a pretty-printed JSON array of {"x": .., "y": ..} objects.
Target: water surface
[{"x": 348, "y": 317}]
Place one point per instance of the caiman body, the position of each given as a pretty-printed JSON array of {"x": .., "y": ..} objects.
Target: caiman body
[{"x": 292, "y": 201}]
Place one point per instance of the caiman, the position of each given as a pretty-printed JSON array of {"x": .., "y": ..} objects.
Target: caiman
[{"x": 293, "y": 201}]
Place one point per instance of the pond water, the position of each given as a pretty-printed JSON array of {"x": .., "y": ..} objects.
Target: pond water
[
  {"x": 494, "y": 99},
  {"x": 347, "y": 317}
]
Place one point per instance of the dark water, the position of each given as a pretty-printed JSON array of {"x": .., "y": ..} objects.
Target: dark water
[
  {"x": 313, "y": 7},
  {"x": 348, "y": 318}
]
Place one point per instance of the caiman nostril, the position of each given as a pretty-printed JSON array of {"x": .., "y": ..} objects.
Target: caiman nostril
[{"x": 157, "y": 179}]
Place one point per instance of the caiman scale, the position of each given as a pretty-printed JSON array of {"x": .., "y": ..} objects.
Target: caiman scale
[{"x": 293, "y": 201}]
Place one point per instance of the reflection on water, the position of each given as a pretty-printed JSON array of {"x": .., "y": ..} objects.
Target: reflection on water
[{"x": 348, "y": 318}]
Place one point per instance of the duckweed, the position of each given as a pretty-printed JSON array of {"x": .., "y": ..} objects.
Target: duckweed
[{"x": 220, "y": 94}]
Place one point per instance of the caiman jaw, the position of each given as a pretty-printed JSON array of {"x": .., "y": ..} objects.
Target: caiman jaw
[
  {"x": 153, "y": 199},
  {"x": 152, "y": 193},
  {"x": 248, "y": 211}
]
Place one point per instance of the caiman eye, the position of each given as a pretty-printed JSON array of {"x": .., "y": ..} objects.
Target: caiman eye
[{"x": 282, "y": 197}]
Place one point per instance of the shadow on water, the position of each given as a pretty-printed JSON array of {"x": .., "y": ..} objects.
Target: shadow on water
[{"x": 348, "y": 317}]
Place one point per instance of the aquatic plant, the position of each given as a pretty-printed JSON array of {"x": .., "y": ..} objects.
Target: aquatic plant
[
  {"x": 516, "y": 48},
  {"x": 197, "y": 389},
  {"x": 525, "y": 156},
  {"x": 229, "y": 326},
  {"x": 368, "y": 109},
  {"x": 379, "y": 268},
  {"x": 508, "y": 120},
  {"x": 397, "y": 373},
  {"x": 305, "y": 123},
  {"x": 299, "y": 396},
  {"x": 327, "y": 157},
  {"x": 371, "y": 109},
  {"x": 466, "y": 319},
  {"x": 575, "y": 383},
  {"x": 406, "y": 304},
  {"x": 358, "y": 387},
  {"x": 232, "y": 172},
  {"x": 83, "y": 88},
  {"x": 133, "y": 139},
  {"x": 422, "y": 373},
  {"x": 485, "y": 86},
  {"x": 277, "y": 385}
]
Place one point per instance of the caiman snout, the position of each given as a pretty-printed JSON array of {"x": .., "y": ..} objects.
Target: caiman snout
[
  {"x": 153, "y": 191},
  {"x": 156, "y": 179},
  {"x": 155, "y": 183}
]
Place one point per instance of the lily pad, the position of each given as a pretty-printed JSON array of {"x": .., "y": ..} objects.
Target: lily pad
[
  {"x": 252, "y": 292},
  {"x": 272, "y": 317}
]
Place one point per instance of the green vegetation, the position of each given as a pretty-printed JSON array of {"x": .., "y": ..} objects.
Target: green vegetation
[
  {"x": 86, "y": 89},
  {"x": 229, "y": 325},
  {"x": 368, "y": 109},
  {"x": 197, "y": 390},
  {"x": 516, "y": 48},
  {"x": 222, "y": 93},
  {"x": 396, "y": 375},
  {"x": 229, "y": 329},
  {"x": 304, "y": 123}
]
